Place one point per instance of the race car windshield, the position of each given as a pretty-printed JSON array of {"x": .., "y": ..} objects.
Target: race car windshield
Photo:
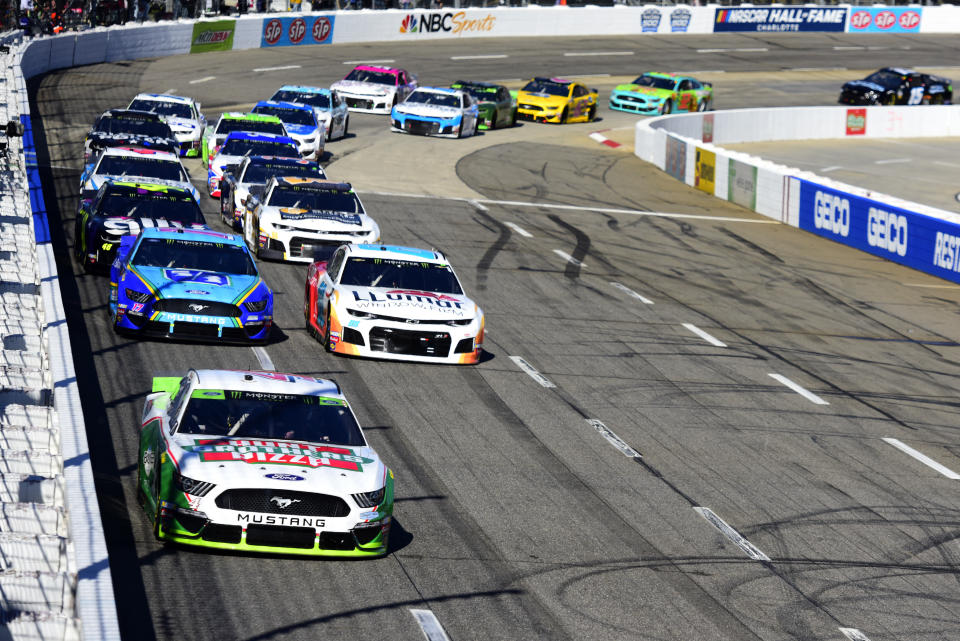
[
  {"x": 655, "y": 81},
  {"x": 256, "y": 126},
  {"x": 174, "y": 253},
  {"x": 319, "y": 100},
  {"x": 141, "y": 166},
  {"x": 316, "y": 198},
  {"x": 257, "y": 173},
  {"x": 258, "y": 148},
  {"x": 430, "y": 98},
  {"x": 401, "y": 274},
  {"x": 265, "y": 415},
  {"x": 136, "y": 126},
  {"x": 478, "y": 92},
  {"x": 375, "y": 77},
  {"x": 884, "y": 78},
  {"x": 180, "y": 207},
  {"x": 163, "y": 108},
  {"x": 290, "y": 116},
  {"x": 547, "y": 87}
]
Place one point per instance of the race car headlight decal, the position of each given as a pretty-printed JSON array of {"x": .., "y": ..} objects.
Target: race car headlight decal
[
  {"x": 256, "y": 306},
  {"x": 460, "y": 321},
  {"x": 278, "y": 226},
  {"x": 138, "y": 297},
  {"x": 358, "y": 314},
  {"x": 369, "y": 499},
  {"x": 188, "y": 485}
]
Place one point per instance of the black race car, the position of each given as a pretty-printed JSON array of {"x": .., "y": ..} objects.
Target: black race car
[
  {"x": 897, "y": 86},
  {"x": 121, "y": 209},
  {"x": 129, "y": 128}
]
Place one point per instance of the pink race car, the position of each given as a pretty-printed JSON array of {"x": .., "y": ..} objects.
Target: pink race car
[{"x": 375, "y": 90}]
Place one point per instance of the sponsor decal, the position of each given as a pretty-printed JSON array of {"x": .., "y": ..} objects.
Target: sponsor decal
[
  {"x": 196, "y": 307},
  {"x": 680, "y": 20},
  {"x": 280, "y": 519},
  {"x": 122, "y": 226},
  {"x": 291, "y": 32},
  {"x": 885, "y": 20},
  {"x": 742, "y": 184},
  {"x": 887, "y": 230},
  {"x": 319, "y": 214},
  {"x": 196, "y": 276},
  {"x": 284, "y": 477},
  {"x": 832, "y": 213},
  {"x": 707, "y": 132},
  {"x": 856, "y": 122},
  {"x": 705, "y": 170},
  {"x": 780, "y": 19},
  {"x": 171, "y": 317},
  {"x": 455, "y": 23},
  {"x": 650, "y": 20},
  {"x": 198, "y": 292},
  {"x": 676, "y": 160},
  {"x": 422, "y": 299},
  {"x": 212, "y": 36},
  {"x": 136, "y": 308},
  {"x": 283, "y": 502},
  {"x": 149, "y": 461},
  {"x": 278, "y": 453},
  {"x": 946, "y": 252}
]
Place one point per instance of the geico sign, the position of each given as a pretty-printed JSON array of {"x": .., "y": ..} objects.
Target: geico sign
[
  {"x": 887, "y": 230},
  {"x": 946, "y": 252},
  {"x": 832, "y": 214}
]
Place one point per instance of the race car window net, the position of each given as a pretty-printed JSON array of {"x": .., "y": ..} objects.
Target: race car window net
[
  {"x": 141, "y": 166},
  {"x": 306, "y": 197},
  {"x": 291, "y": 116},
  {"x": 173, "y": 253},
  {"x": 261, "y": 173},
  {"x": 263, "y": 415},
  {"x": 547, "y": 87},
  {"x": 179, "y": 206},
  {"x": 259, "y": 148},
  {"x": 163, "y": 108},
  {"x": 376, "y": 77},
  {"x": 127, "y": 125},
  {"x": 255, "y": 126},
  {"x": 655, "y": 81},
  {"x": 401, "y": 274},
  {"x": 319, "y": 100},
  {"x": 430, "y": 98}
]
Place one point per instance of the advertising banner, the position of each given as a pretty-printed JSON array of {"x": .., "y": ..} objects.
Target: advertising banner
[
  {"x": 928, "y": 244},
  {"x": 450, "y": 23},
  {"x": 742, "y": 184},
  {"x": 780, "y": 19},
  {"x": 212, "y": 36},
  {"x": 676, "y": 161},
  {"x": 705, "y": 170},
  {"x": 290, "y": 32},
  {"x": 856, "y": 122},
  {"x": 706, "y": 132},
  {"x": 885, "y": 20}
]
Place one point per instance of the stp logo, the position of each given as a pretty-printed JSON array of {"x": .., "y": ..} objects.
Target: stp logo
[
  {"x": 321, "y": 28},
  {"x": 885, "y": 20},
  {"x": 298, "y": 29},
  {"x": 860, "y": 20},
  {"x": 909, "y": 20},
  {"x": 272, "y": 31}
]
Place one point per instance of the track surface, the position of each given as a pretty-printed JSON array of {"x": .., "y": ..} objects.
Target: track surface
[{"x": 516, "y": 518}]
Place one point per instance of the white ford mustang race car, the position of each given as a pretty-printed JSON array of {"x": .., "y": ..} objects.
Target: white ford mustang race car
[
  {"x": 181, "y": 113},
  {"x": 375, "y": 90},
  {"x": 261, "y": 462}
]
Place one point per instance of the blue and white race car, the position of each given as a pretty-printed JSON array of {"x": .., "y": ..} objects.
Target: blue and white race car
[
  {"x": 181, "y": 113},
  {"x": 189, "y": 284},
  {"x": 301, "y": 124},
  {"x": 435, "y": 111},
  {"x": 131, "y": 163},
  {"x": 330, "y": 107},
  {"x": 244, "y": 143}
]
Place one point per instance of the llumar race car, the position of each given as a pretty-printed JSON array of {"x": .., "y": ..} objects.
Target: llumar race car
[
  {"x": 495, "y": 104},
  {"x": 330, "y": 107},
  {"x": 214, "y": 136},
  {"x": 433, "y": 111},
  {"x": 662, "y": 93},
  {"x": 261, "y": 462},
  {"x": 127, "y": 128},
  {"x": 181, "y": 113},
  {"x": 189, "y": 284},
  {"x": 301, "y": 124},
  {"x": 556, "y": 100},
  {"x": 130, "y": 163},
  {"x": 123, "y": 208},
  {"x": 898, "y": 86},
  {"x": 375, "y": 89},
  {"x": 302, "y": 219},
  {"x": 398, "y": 303},
  {"x": 241, "y": 143},
  {"x": 252, "y": 174}
]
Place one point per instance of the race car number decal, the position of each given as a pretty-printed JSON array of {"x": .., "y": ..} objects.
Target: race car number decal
[{"x": 196, "y": 276}]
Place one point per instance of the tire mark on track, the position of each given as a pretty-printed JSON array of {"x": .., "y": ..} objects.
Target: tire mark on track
[
  {"x": 483, "y": 265},
  {"x": 572, "y": 269}
]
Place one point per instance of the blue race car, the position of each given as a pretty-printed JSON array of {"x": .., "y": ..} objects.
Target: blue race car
[
  {"x": 437, "y": 111},
  {"x": 244, "y": 143},
  {"x": 189, "y": 284},
  {"x": 301, "y": 124}
]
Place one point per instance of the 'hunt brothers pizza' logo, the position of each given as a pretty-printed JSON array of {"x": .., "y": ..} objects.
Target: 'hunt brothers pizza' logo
[
  {"x": 278, "y": 452},
  {"x": 212, "y": 37}
]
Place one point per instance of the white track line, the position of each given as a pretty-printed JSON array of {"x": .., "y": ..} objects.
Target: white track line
[
  {"x": 629, "y": 292},
  {"x": 705, "y": 336},
  {"x": 283, "y": 68},
  {"x": 429, "y": 625},
  {"x": 567, "y": 257},
  {"x": 531, "y": 371},
  {"x": 923, "y": 458},
  {"x": 367, "y": 62},
  {"x": 613, "y": 439},
  {"x": 204, "y": 79},
  {"x": 891, "y": 161},
  {"x": 848, "y": 48},
  {"x": 807, "y": 394},
  {"x": 575, "y": 54},
  {"x": 261, "y": 353},
  {"x": 853, "y": 634},
  {"x": 520, "y": 230},
  {"x": 739, "y": 50},
  {"x": 831, "y": 168},
  {"x": 489, "y": 56},
  {"x": 735, "y": 537}
]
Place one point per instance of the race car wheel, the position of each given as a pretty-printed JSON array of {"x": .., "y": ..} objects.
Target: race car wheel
[
  {"x": 460, "y": 130},
  {"x": 156, "y": 507},
  {"x": 704, "y": 105},
  {"x": 591, "y": 113},
  {"x": 346, "y": 126},
  {"x": 223, "y": 213},
  {"x": 513, "y": 119},
  {"x": 666, "y": 108},
  {"x": 563, "y": 116},
  {"x": 326, "y": 336}
]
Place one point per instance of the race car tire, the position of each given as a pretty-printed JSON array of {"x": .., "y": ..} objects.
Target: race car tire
[
  {"x": 591, "y": 113},
  {"x": 666, "y": 107},
  {"x": 326, "y": 336},
  {"x": 346, "y": 127},
  {"x": 460, "y": 130},
  {"x": 513, "y": 119},
  {"x": 564, "y": 115},
  {"x": 223, "y": 213},
  {"x": 704, "y": 105},
  {"x": 156, "y": 508}
]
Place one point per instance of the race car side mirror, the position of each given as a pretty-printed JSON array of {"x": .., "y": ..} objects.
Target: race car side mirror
[{"x": 157, "y": 398}]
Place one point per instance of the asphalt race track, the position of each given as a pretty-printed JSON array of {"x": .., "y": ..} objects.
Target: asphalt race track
[{"x": 693, "y": 361}]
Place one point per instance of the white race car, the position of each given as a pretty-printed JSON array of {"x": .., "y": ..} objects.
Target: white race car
[
  {"x": 128, "y": 163},
  {"x": 390, "y": 302},
  {"x": 375, "y": 90},
  {"x": 434, "y": 111},
  {"x": 252, "y": 173},
  {"x": 300, "y": 219},
  {"x": 329, "y": 106},
  {"x": 181, "y": 113},
  {"x": 240, "y": 144},
  {"x": 261, "y": 462}
]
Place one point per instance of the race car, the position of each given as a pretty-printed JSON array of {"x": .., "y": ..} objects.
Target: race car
[
  {"x": 898, "y": 86},
  {"x": 301, "y": 124},
  {"x": 299, "y": 219},
  {"x": 330, "y": 107},
  {"x": 232, "y": 121},
  {"x": 432, "y": 111},
  {"x": 123, "y": 208},
  {"x": 126, "y": 163},
  {"x": 496, "y": 105},
  {"x": 556, "y": 100},
  {"x": 390, "y": 302},
  {"x": 241, "y": 143},
  {"x": 251, "y": 175},
  {"x": 662, "y": 93},
  {"x": 189, "y": 284},
  {"x": 181, "y": 113},
  {"x": 127, "y": 128},
  {"x": 375, "y": 90},
  {"x": 261, "y": 462}
]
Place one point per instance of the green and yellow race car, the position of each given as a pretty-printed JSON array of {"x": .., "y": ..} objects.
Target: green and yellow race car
[
  {"x": 662, "y": 93},
  {"x": 498, "y": 108},
  {"x": 214, "y": 136}
]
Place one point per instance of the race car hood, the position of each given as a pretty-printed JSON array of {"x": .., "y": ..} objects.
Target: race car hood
[
  {"x": 301, "y": 130},
  {"x": 862, "y": 86},
  {"x": 359, "y": 88},
  {"x": 407, "y": 303},
  {"x": 542, "y": 99},
  {"x": 94, "y": 182},
  {"x": 652, "y": 92},
  {"x": 317, "y": 219},
  {"x": 100, "y": 140},
  {"x": 428, "y": 111},
  {"x": 182, "y": 124},
  {"x": 197, "y": 284},
  {"x": 119, "y": 226}
]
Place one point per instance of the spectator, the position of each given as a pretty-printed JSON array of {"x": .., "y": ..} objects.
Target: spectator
[{"x": 295, "y": 5}]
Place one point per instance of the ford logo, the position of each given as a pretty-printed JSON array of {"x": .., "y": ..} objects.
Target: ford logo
[{"x": 284, "y": 477}]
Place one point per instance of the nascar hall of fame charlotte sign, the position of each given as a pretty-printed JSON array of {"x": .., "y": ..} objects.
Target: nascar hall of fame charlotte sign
[
  {"x": 780, "y": 19},
  {"x": 290, "y": 32},
  {"x": 449, "y": 22},
  {"x": 212, "y": 36},
  {"x": 886, "y": 20}
]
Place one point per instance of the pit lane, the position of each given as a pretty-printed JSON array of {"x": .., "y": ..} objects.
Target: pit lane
[{"x": 515, "y": 518}]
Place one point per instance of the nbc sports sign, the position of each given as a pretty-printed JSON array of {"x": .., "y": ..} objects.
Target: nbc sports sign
[
  {"x": 885, "y": 20},
  {"x": 289, "y": 32},
  {"x": 446, "y": 23}
]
